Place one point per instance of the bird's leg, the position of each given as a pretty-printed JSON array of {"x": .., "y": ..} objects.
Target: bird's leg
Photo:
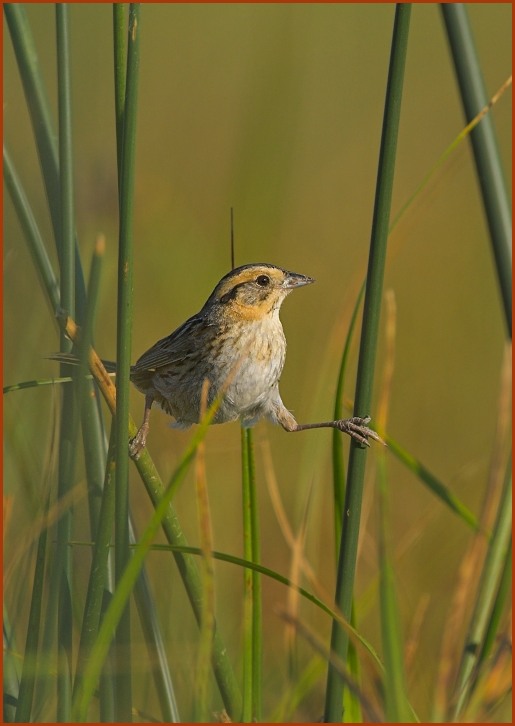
[
  {"x": 138, "y": 443},
  {"x": 356, "y": 426}
]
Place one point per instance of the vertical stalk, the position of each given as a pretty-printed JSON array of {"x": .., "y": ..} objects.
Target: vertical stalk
[
  {"x": 123, "y": 356},
  {"x": 69, "y": 419},
  {"x": 253, "y": 646},
  {"x": 98, "y": 573},
  {"x": 368, "y": 345},
  {"x": 338, "y": 464},
  {"x": 119, "y": 23},
  {"x": 484, "y": 145}
]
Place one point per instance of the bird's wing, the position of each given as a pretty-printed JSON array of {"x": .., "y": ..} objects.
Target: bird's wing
[{"x": 174, "y": 348}]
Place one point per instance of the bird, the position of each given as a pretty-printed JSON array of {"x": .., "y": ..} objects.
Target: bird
[{"x": 236, "y": 342}]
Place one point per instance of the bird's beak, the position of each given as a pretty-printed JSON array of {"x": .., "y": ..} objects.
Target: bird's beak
[{"x": 293, "y": 279}]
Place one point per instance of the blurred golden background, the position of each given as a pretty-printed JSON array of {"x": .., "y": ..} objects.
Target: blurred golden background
[{"x": 276, "y": 110}]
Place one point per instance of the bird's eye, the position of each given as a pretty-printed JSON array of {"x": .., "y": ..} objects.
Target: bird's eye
[{"x": 263, "y": 280}]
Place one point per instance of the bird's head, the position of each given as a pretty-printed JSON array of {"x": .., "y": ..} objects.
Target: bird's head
[{"x": 255, "y": 291}]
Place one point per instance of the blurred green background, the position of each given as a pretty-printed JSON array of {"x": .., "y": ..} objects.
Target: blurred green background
[{"x": 276, "y": 110}]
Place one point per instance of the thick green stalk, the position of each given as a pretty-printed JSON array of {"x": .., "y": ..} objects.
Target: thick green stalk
[
  {"x": 484, "y": 145},
  {"x": 123, "y": 357},
  {"x": 367, "y": 354}
]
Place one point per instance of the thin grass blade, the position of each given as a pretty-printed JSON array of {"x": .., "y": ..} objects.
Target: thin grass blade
[{"x": 437, "y": 487}]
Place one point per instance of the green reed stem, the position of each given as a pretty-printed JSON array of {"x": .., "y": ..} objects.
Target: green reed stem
[
  {"x": 337, "y": 449},
  {"x": 253, "y": 625},
  {"x": 484, "y": 145},
  {"x": 201, "y": 705},
  {"x": 67, "y": 220},
  {"x": 369, "y": 336},
  {"x": 69, "y": 420},
  {"x": 146, "y": 607},
  {"x": 120, "y": 59},
  {"x": 98, "y": 573},
  {"x": 123, "y": 358},
  {"x": 37, "y": 101}
]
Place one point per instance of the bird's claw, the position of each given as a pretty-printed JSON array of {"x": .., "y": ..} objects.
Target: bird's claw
[
  {"x": 136, "y": 445},
  {"x": 357, "y": 429}
]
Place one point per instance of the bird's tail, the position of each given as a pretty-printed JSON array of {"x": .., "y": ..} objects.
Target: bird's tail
[{"x": 72, "y": 359}]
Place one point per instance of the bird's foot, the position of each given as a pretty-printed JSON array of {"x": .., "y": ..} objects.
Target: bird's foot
[
  {"x": 138, "y": 443},
  {"x": 357, "y": 429}
]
